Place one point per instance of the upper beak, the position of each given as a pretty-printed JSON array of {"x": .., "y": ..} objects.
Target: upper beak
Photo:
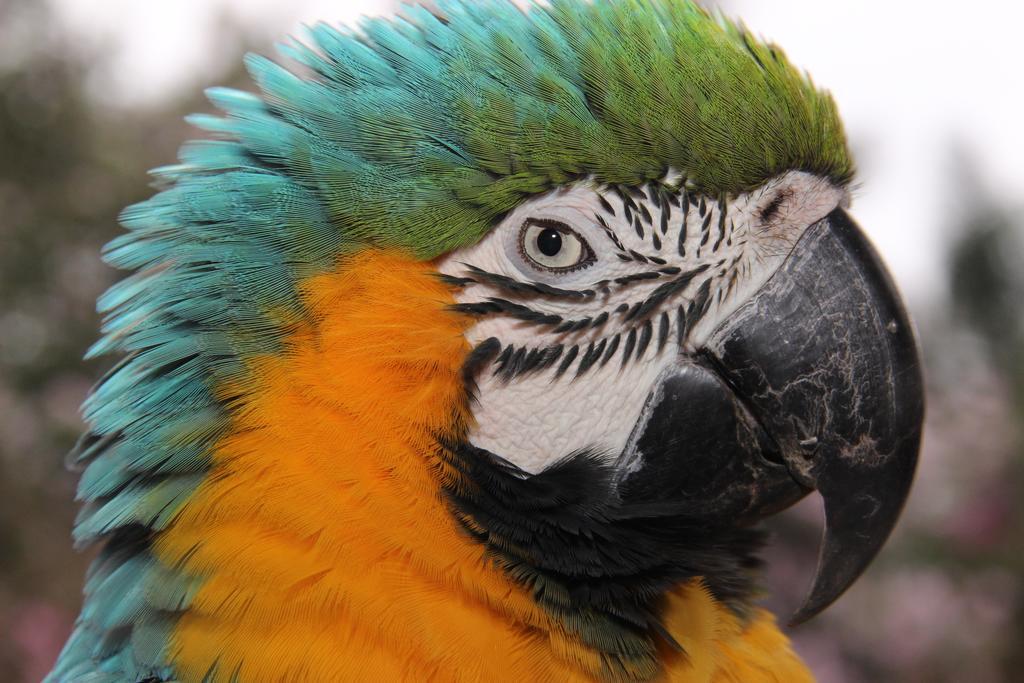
[{"x": 814, "y": 383}]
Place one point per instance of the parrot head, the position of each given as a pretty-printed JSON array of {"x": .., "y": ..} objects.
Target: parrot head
[
  {"x": 544, "y": 310},
  {"x": 700, "y": 362}
]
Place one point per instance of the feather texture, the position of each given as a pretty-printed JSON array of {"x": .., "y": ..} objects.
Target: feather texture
[{"x": 414, "y": 135}]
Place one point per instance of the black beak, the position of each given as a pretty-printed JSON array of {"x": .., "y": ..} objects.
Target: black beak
[{"x": 815, "y": 383}]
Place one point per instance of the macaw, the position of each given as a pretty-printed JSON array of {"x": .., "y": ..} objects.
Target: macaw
[{"x": 475, "y": 346}]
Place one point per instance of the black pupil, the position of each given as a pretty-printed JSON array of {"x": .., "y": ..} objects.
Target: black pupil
[{"x": 549, "y": 241}]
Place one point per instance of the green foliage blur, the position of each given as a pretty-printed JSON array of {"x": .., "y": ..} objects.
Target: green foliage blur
[{"x": 944, "y": 601}]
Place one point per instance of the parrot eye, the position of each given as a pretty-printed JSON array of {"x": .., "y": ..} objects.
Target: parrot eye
[{"x": 553, "y": 246}]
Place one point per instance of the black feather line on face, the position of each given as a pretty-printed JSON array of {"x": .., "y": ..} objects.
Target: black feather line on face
[
  {"x": 705, "y": 230},
  {"x": 552, "y": 355},
  {"x": 682, "y": 228},
  {"x": 605, "y": 204},
  {"x": 653, "y": 191},
  {"x": 696, "y": 309},
  {"x": 637, "y": 277},
  {"x": 502, "y": 360},
  {"x": 454, "y": 281},
  {"x": 591, "y": 356},
  {"x": 609, "y": 233},
  {"x": 513, "y": 362},
  {"x": 627, "y": 201},
  {"x": 663, "y": 325},
  {"x": 637, "y": 256},
  {"x": 567, "y": 361},
  {"x": 508, "y": 308},
  {"x": 533, "y": 359},
  {"x": 514, "y": 366},
  {"x": 598, "y": 563},
  {"x": 664, "y": 292},
  {"x": 582, "y": 324},
  {"x": 627, "y": 352},
  {"x": 645, "y": 214},
  {"x": 611, "y": 350},
  {"x": 480, "y": 356},
  {"x": 633, "y": 311},
  {"x": 636, "y": 192},
  {"x": 646, "y": 332},
  {"x": 526, "y": 288},
  {"x": 565, "y": 327},
  {"x": 681, "y": 327},
  {"x": 721, "y": 226}
]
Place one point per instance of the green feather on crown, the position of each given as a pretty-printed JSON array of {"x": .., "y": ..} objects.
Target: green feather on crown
[{"x": 419, "y": 133}]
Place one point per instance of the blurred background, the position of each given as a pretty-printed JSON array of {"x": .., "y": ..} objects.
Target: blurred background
[{"x": 92, "y": 94}]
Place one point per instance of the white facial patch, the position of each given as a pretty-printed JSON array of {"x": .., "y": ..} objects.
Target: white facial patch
[{"x": 591, "y": 291}]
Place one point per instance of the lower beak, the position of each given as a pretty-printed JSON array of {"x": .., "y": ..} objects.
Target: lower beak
[{"x": 815, "y": 383}]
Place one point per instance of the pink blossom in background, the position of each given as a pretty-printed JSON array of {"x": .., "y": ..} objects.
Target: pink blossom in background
[{"x": 37, "y": 631}]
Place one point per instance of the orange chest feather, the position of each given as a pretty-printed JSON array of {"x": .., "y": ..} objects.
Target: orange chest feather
[{"x": 323, "y": 539}]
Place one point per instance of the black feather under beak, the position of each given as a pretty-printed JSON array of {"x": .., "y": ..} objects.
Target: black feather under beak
[{"x": 815, "y": 383}]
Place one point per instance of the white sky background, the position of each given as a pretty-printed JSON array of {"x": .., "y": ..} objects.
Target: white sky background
[{"x": 912, "y": 78}]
